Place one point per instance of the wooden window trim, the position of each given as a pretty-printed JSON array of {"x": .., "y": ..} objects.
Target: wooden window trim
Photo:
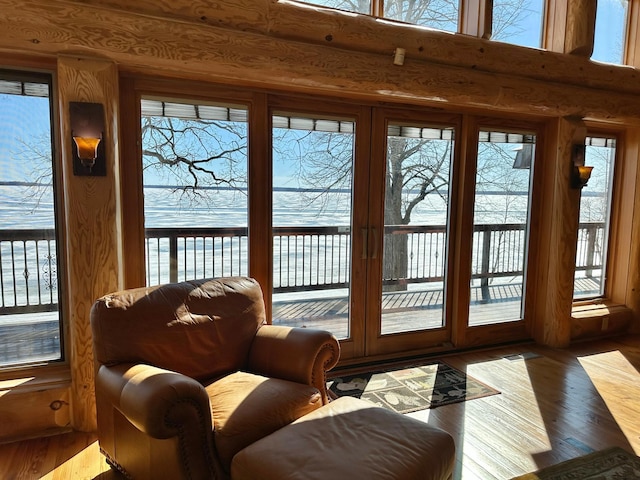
[{"x": 611, "y": 313}]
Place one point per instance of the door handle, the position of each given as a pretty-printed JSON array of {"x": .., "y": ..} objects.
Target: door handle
[
  {"x": 376, "y": 241},
  {"x": 365, "y": 243}
]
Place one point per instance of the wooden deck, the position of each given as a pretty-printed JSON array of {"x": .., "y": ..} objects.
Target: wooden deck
[
  {"x": 401, "y": 311},
  {"x": 35, "y": 337},
  {"x": 406, "y": 310}
]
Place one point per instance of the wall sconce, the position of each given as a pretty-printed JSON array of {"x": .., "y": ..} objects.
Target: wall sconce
[
  {"x": 580, "y": 174},
  {"x": 87, "y": 132}
]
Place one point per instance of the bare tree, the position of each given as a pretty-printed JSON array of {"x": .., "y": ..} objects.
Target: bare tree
[
  {"x": 415, "y": 168},
  {"x": 508, "y": 15},
  {"x": 195, "y": 155},
  {"x": 498, "y": 175},
  {"x": 509, "y": 18}
]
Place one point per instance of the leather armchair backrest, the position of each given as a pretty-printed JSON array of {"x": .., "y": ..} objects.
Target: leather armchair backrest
[{"x": 200, "y": 328}]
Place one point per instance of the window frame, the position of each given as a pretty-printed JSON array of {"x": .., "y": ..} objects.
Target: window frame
[
  {"x": 617, "y": 273},
  {"x": 591, "y": 298},
  {"x": 51, "y": 372}
]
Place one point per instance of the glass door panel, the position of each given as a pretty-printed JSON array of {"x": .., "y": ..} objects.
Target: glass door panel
[
  {"x": 416, "y": 207},
  {"x": 500, "y": 226},
  {"x": 595, "y": 219},
  {"x": 312, "y": 189},
  {"x": 194, "y": 160}
]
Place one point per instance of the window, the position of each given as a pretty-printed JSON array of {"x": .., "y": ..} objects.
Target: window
[
  {"x": 611, "y": 31},
  {"x": 359, "y": 6},
  {"x": 194, "y": 159},
  {"x": 313, "y": 160},
  {"x": 30, "y": 321},
  {"x": 595, "y": 214},
  {"x": 438, "y": 14},
  {"x": 519, "y": 22},
  {"x": 501, "y": 226},
  {"x": 441, "y": 14}
]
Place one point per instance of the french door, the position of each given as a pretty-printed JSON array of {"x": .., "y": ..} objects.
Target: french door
[
  {"x": 402, "y": 231},
  {"x": 360, "y": 225},
  {"x": 319, "y": 199},
  {"x": 411, "y": 185}
]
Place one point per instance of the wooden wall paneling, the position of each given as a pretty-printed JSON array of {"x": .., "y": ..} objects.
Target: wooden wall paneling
[
  {"x": 632, "y": 155},
  {"x": 512, "y": 80},
  {"x": 599, "y": 320},
  {"x": 581, "y": 27},
  {"x": 93, "y": 223},
  {"x": 556, "y": 243},
  {"x": 545, "y": 181},
  {"x": 26, "y": 412}
]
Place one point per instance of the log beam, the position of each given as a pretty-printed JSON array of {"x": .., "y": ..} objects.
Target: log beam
[
  {"x": 198, "y": 50},
  {"x": 363, "y": 33}
]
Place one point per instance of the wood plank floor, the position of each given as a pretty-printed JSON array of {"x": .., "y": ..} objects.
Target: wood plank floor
[{"x": 554, "y": 405}]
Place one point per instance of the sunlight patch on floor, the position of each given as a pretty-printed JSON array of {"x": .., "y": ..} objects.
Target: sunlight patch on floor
[
  {"x": 526, "y": 432},
  {"x": 621, "y": 393},
  {"x": 493, "y": 417}
]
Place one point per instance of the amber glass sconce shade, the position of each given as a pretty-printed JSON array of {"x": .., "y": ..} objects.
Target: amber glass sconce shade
[
  {"x": 87, "y": 149},
  {"x": 87, "y": 132},
  {"x": 583, "y": 174},
  {"x": 580, "y": 173}
]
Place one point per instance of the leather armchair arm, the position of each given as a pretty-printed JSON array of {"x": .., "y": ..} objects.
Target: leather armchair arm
[
  {"x": 302, "y": 355},
  {"x": 158, "y": 402}
]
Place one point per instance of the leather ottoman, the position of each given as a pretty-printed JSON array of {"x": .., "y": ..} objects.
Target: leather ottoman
[{"x": 349, "y": 439}]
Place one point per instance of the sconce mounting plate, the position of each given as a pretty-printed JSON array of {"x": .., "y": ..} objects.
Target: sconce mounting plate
[{"x": 87, "y": 121}]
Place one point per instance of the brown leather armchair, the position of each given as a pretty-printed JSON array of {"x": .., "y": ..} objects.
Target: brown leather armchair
[{"x": 188, "y": 374}]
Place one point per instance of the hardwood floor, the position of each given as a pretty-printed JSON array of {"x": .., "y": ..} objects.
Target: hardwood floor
[{"x": 554, "y": 405}]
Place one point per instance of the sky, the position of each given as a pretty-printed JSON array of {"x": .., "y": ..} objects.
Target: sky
[
  {"x": 21, "y": 119},
  {"x": 610, "y": 19}
]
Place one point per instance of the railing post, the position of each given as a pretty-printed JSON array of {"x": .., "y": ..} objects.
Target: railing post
[
  {"x": 592, "y": 234},
  {"x": 173, "y": 258},
  {"x": 486, "y": 252}
]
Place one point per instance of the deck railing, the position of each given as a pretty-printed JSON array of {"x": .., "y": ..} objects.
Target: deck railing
[
  {"x": 305, "y": 258},
  {"x": 28, "y": 273}
]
